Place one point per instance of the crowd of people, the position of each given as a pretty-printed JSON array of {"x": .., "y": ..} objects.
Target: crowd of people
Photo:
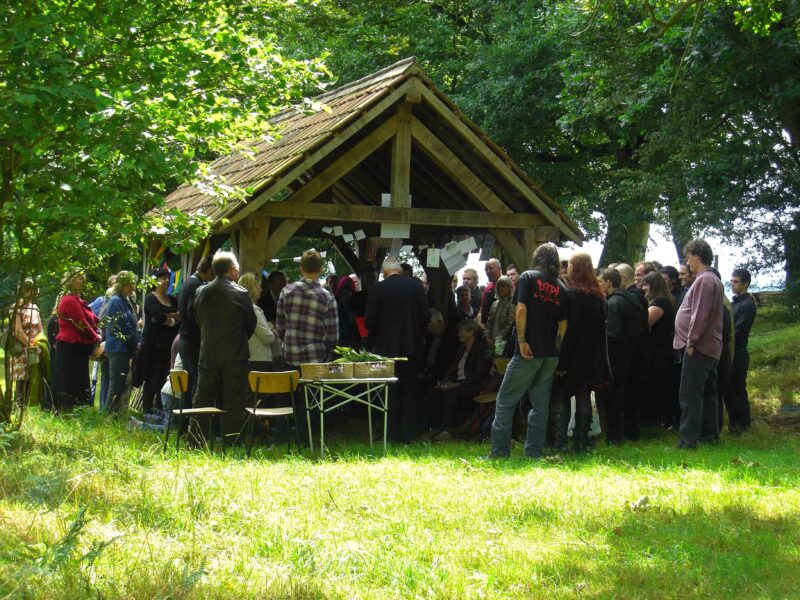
[{"x": 653, "y": 345}]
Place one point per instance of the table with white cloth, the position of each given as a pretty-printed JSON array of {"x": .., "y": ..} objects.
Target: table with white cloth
[{"x": 326, "y": 395}]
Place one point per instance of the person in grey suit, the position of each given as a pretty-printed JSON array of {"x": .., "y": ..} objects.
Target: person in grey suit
[
  {"x": 226, "y": 317},
  {"x": 397, "y": 317}
]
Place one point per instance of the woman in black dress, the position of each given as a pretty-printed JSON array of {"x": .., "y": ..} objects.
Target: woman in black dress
[
  {"x": 161, "y": 318},
  {"x": 583, "y": 358},
  {"x": 661, "y": 407}
]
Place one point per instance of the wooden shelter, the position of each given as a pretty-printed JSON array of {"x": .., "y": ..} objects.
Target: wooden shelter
[{"x": 390, "y": 133}]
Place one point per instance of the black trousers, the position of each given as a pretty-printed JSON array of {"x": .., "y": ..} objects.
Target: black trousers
[
  {"x": 190, "y": 357},
  {"x": 698, "y": 398},
  {"x": 737, "y": 402},
  {"x": 723, "y": 383},
  {"x": 402, "y": 402},
  {"x": 223, "y": 384},
  {"x": 611, "y": 399}
]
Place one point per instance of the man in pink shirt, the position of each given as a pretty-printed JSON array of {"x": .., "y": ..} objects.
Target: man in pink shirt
[{"x": 698, "y": 335}]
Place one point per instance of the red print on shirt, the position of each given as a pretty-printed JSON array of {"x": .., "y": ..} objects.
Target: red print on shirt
[{"x": 547, "y": 292}]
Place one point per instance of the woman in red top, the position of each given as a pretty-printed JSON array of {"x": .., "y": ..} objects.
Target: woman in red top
[{"x": 76, "y": 338}]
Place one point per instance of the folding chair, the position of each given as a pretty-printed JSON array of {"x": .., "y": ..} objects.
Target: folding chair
[
  {"x": 179, "y": 382},
  {"x": 262, "y": 383}
]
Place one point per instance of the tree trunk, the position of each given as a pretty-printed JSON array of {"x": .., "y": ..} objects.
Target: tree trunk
[
  {"x": 791, "y": 249},
  {"x": 625, "y": 243},
  {"x": 680, "y": 231}
]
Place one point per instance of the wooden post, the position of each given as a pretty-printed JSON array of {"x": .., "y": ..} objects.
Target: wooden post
[
  {"x": 401, "y": 158},
  {"x": 253, "y": 244}
]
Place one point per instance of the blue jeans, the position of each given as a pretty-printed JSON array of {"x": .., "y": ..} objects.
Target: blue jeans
[
  {"x": 535, "y": 377},
  {"x": 119, "y": 363}
]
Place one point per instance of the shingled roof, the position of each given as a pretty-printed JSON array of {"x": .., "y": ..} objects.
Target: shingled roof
[{"x": 302, "y": 133}]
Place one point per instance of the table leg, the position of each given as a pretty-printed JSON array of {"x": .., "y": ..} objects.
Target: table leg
[
  {"x": 322, "y": 422},
  {"x": 385, "y": 414},
  {"x": 306, "y": 391},
  {"x": 369, "y": 412}
]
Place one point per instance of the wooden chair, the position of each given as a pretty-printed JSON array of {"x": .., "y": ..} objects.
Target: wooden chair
[
  {"x": 179, "y": 381},
  {"x": 262, "y": 383}
]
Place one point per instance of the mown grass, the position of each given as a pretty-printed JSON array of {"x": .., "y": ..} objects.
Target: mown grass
[
  {"x": 90, "y": 509},
  {"x": 774, "y": 376}
]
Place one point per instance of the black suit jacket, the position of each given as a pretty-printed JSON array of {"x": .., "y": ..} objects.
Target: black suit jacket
[
  {"x": 396, "y": 316},
  {"x": 227, "y": 320},
  {"x": 190, "y": 330},
  {"x": 476, "y": 367}
]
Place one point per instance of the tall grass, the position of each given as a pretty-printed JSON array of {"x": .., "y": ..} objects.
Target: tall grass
[{"x": 90, "y": 509}]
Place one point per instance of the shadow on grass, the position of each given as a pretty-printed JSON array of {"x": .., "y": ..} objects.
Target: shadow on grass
[{"x": 731, "y": 552}]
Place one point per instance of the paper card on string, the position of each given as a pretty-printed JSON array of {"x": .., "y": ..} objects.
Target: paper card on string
[
  {"x": 327, "y": 230},
  {"x": 432, "y": 258},
  {"x": 394, "y": 251},
  {"x": 348, "y": 237},
  {"x": 467, "y": 245},
  {"x": 386, "y": 201},
  {"x": 451, "y": 249},
  {"x": 338, "y": 230},
  {"x": 454, "y": 263},
  {"x": 406, "y": 249},
  {"x": 395, "y": 230},
  {"x": 359, "y": 234}
]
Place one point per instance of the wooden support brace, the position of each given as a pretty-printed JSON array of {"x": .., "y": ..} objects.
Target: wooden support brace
[{"x": 401, "y": 158}]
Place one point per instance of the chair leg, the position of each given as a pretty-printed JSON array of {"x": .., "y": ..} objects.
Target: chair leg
[
  {"x": 178, "y": 436},
  {"x": 166, "y": 432},
  {"x": 250, "y": 431}
]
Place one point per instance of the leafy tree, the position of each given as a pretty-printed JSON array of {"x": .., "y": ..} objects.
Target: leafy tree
[{"x": 106, "y": 105}]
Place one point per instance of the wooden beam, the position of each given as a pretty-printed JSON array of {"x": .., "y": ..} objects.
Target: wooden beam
[
  {"x": 401, "y": 158},
  {"x": 489, "y": 155},
  {"x": 280, "y": 236},
  {"x": 455, "y": 168},
  {"x": 414, "y": 216},
  {"x": 337, "y": 139},
  {"x": 343, "y": 165},
  {"x": 513, "y": 247}
]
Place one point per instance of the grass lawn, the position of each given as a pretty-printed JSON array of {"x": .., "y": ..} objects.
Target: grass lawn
[{"x": 91, "y": 509}]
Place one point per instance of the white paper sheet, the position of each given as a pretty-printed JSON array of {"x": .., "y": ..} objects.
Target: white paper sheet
[
  {"x": 454, "y": 263},
  {"x": 395, "y": 230},
  {"x": 451, "y": 249},
  {"x": 327, "y": 230},
  {"x": 394, "y": 251},
  {"x": 338, "y": 230},
  {"x": 467, "y": 245},
  {"x": 348, "y": 237},
  {"x": 432, "y": 258},
  {"x": 386, "y": 201},
  {"x": 359, "y": 234},
  {"x": 406, "y": 249}
]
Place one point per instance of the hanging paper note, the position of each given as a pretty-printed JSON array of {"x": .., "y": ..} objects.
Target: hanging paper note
[
  {"x": 386, "y": 201},
  {"x": 348, "y": 237},
  {"x": 394, "y": 251},
  {"x": 359, "y": 234},
  {"x": 467, "y": 245},
  {"x": 395, "y": 230},
  {"x": 338, "y": 230},
  {"x": 327, "y": 230},
  {"x": 432, "y": 258},
  {"x": 406, "y": 249},
  {"x": 451, "y": 249},
  {"x": 486, "y": 248}
]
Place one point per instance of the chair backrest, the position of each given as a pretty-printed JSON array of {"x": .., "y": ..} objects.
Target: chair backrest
[
  {"x": 273, "y": 383},
  {"x": 179, "y": 380},
  {"x": 501, "y": 363}
]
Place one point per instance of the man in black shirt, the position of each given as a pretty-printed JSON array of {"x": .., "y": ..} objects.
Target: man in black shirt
[
  {"x": 540, "y": 313},
  {"x": 189, "y": 341},
  {"x": 736, "y": 400}
]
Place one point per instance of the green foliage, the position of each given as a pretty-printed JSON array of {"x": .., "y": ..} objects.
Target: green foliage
[{"x": 104, "y": 108}]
